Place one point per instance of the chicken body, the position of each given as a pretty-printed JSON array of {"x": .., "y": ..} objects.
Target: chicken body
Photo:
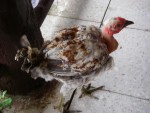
[{"x": 74, "y": 56}]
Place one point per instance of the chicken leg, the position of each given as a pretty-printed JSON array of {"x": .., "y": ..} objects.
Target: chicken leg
[
  {"x": 64, "y": 108},
  {"x": 88, "y": 90}
]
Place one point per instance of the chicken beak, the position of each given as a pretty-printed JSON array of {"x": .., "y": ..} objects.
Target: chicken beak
[{"x": 128, "y": 23}]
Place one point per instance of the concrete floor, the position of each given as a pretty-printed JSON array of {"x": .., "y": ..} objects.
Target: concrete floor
[{"x": 128, "y": 84}]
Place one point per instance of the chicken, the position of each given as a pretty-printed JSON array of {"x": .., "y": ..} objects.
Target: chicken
[{"x": 75, "y": 55}]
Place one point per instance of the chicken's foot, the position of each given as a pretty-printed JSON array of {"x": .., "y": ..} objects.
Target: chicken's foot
[{"x": 88, "y": 90}]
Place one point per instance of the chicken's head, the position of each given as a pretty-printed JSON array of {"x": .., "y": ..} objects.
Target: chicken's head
[{"x": 115, "y": 25}]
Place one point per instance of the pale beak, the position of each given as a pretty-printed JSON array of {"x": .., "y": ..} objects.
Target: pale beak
[{"x": 128, "y": 23}]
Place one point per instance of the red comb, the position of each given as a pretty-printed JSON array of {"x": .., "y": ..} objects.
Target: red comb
[{"x": 120, "y": 18}]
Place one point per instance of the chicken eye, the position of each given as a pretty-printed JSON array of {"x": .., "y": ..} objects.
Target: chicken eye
[
  {"x": 118, "y": 25},
  {"x": 115, "y": 18}
]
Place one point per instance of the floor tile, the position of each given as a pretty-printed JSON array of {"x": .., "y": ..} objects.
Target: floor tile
[
  {"x": 135, "y": 10},
  {"x": 107, "y": 103},
  {"x": 92, "y": 10}
]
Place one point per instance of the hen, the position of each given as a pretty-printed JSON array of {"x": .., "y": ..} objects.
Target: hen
[{"x": 75, "y": 55}]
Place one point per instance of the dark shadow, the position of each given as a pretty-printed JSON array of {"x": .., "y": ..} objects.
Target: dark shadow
[{"x": 17, "y": 17}]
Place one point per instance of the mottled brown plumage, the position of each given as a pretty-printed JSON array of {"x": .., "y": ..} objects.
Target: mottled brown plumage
[{"x": 74, "y": 54}]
